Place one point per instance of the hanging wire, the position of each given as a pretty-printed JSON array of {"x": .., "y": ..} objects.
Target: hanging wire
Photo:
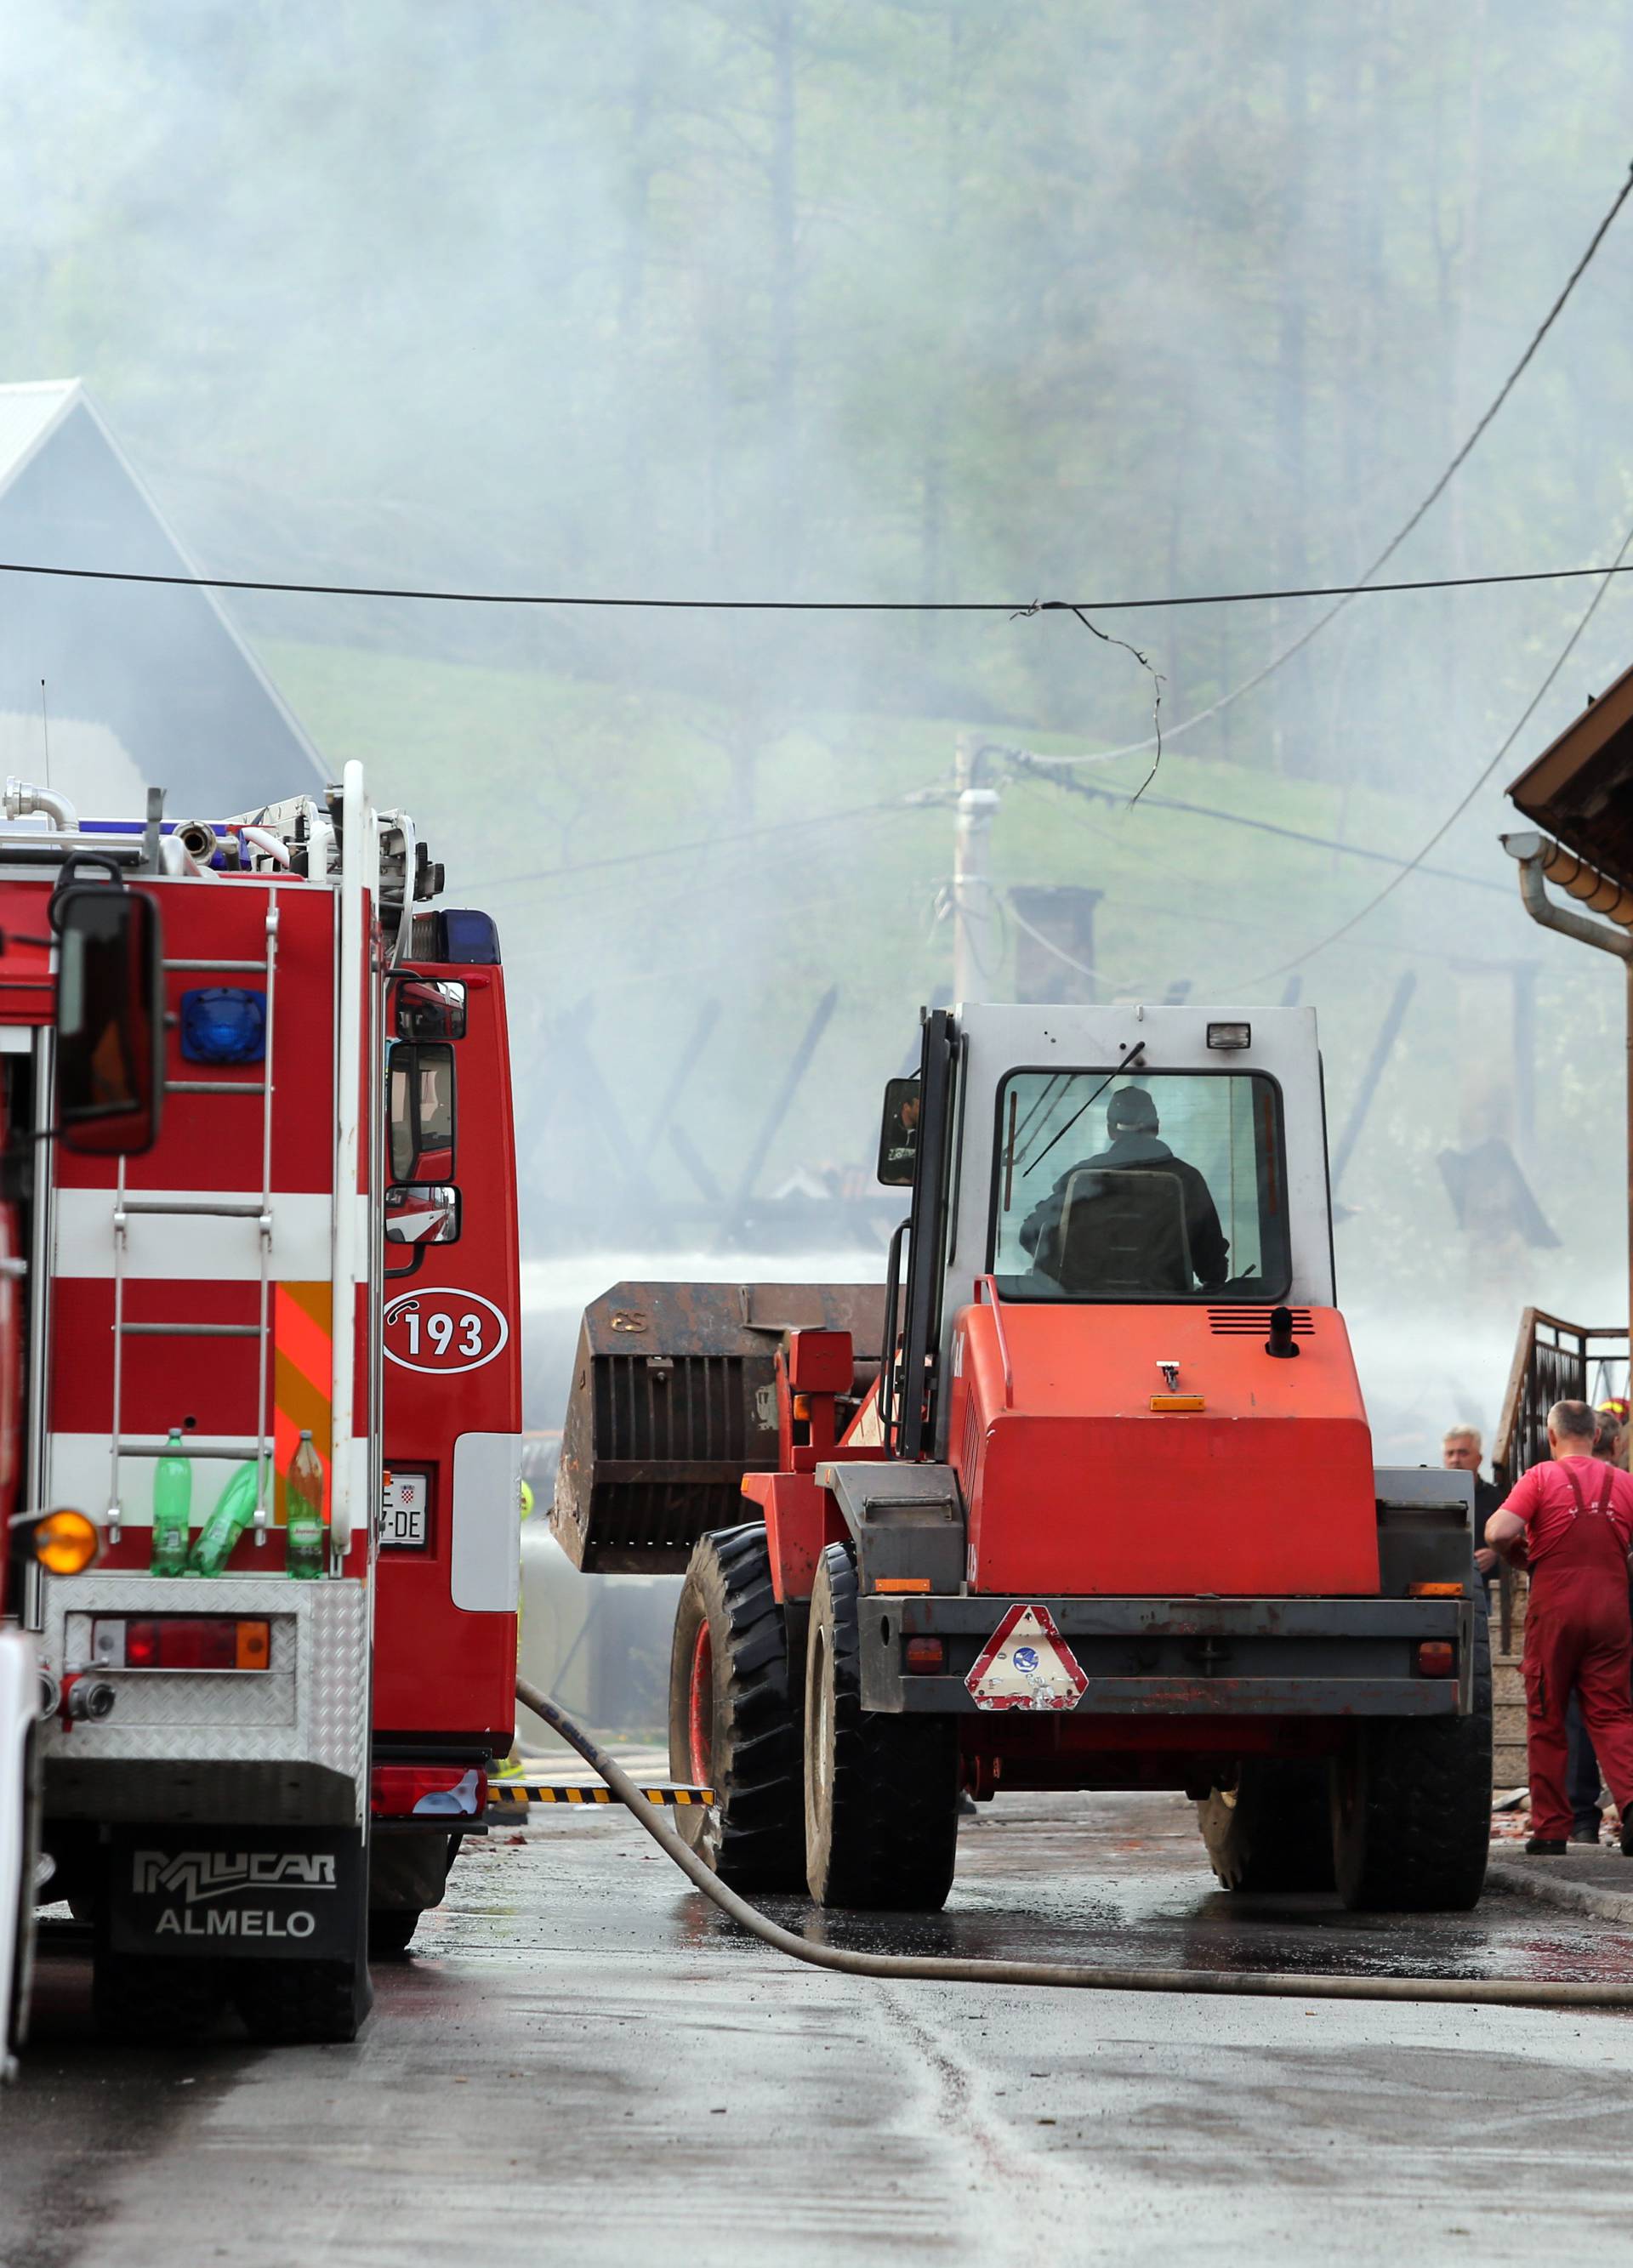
[
  {"x": 1277, "y": 661},
  {"x": 1413, "y": 864}
]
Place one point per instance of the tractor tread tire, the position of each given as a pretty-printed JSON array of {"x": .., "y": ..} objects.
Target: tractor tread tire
[
  {"x": 1274, "y": 1831},
  {"x": 1412, "y": 1822},
  {"x": 753, "y": 1837},
  {"x": 882, "y": 1824}
]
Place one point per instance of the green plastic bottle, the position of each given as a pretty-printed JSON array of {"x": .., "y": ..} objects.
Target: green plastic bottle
[
  {"x": 304, "y": 1534},
  {"x": 173, "y": 1503},
  {"x": 235, "y": 1508}
]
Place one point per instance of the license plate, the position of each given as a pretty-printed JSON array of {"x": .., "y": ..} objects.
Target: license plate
[{"x": 405, "y": 1518}]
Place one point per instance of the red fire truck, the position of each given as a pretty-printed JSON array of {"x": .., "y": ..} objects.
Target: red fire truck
[{"x": 247, "y": 1072}]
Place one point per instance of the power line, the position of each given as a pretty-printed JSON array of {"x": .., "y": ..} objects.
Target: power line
[
  {"x": 1250, "y": 684},
  {"x": 1014, "y": 608},
  {"x": 679, "y": 850},
  {"x": 1413, "y": 864},
  {"x": 1030, "y": 762}
]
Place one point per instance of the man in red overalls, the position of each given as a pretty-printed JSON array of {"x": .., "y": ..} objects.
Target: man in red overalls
[{"x": 1574, "y": 1517}]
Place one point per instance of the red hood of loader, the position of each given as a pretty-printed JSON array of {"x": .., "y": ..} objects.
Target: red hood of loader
[{"x": 1075, "y": 1484}]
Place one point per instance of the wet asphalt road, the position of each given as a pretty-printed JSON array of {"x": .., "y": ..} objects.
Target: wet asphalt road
[{"x": 585, "y": 2063}]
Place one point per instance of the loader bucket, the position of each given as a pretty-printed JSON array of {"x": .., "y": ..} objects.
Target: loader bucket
[{"x": 673, "y": 1401}]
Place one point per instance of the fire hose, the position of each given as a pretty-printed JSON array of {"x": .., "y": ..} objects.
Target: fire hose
[{"x": 940, "y": 1969}]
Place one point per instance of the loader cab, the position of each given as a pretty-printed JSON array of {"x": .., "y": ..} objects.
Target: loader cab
[{"x": 1117, "y": 1157}]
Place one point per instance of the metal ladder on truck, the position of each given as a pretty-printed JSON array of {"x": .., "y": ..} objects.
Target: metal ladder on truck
[{"x": 127, "y": 1206}]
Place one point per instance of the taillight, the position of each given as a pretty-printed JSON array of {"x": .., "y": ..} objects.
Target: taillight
[
  {"x": 428, "y": 1792},
  {"x": 925, "y": 1657},
  {"x": 1436, "y": 1657},
  {"x": 181, "y": 1642}
]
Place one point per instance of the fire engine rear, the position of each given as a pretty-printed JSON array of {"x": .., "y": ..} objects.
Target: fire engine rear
[{"x": 232, "y": 1055}]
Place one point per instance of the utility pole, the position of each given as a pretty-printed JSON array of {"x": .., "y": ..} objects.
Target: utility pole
[{"x": 974, "y": 951}]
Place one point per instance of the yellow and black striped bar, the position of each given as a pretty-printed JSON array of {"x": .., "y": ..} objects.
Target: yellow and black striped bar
[{"x": 506, "y": 1794}]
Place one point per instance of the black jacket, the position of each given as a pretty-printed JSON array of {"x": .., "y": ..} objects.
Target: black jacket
[{"x": 1131, "y": 1153}]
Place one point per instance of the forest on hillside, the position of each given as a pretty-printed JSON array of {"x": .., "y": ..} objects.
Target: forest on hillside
[{"x": 888, "y": 299}]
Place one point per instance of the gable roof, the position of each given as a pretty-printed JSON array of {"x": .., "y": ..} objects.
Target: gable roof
[
  {"x": 28, "y": 412},
  {"x": 42, "y": 416}
]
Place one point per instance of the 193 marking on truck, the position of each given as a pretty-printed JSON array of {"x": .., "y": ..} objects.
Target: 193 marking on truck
[{"x": 443, "y": 1330}]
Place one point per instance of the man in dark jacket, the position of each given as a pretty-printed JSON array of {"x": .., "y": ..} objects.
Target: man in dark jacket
[{"x": 1133, "y": 1147}]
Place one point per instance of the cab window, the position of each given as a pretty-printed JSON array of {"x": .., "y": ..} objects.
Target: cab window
[
  {"x": 1164, "y": 1185},
  {"x": 420, "y": 1095}
]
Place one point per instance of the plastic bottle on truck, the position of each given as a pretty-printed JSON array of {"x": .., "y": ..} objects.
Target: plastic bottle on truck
[
  {"x": 173, "y": 1502},
  {"x": 304, "y": 1533},
  {"x": 235, "y": 1508}
]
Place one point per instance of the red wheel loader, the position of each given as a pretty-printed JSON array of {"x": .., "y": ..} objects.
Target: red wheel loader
[{"x": 1083, "y": 1498}]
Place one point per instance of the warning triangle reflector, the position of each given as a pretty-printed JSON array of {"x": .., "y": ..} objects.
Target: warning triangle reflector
[{"x": 1026, "y": 1664}]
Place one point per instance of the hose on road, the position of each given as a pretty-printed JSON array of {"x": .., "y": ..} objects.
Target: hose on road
[{"x": 940, "y": 1969}]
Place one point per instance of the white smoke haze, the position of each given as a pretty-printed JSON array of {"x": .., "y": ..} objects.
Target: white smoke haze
[{"x": 865, "y": 299}]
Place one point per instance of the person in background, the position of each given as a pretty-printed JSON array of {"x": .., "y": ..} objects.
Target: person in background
[
  {"x": 1585, "y": 1782},
  {"x": 1573, "y": 1516},
  {"x": 1461, "y": 1449}
]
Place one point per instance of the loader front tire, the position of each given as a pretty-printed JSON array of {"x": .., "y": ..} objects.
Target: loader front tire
[
  {"x": 1411, "y": 1805},
  {"x": 1272, "y": 1829},
  {"x": 881, "y": 1791},
  {"x": 733, "y": 1721}
]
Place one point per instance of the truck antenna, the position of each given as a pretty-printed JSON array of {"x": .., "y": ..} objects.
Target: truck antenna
[{"x": 45, "y": 731}]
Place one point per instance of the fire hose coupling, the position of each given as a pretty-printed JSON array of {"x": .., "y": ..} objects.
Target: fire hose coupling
[
  {"x": 24, "y": 801},
  {"x": 86, "y": 1700}
]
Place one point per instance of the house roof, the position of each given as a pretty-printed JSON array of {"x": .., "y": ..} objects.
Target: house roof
[
  {"x": 28, "y": 414},
  {"x": 1580, "y": 788},
  {"x": 31, "y": 414}
]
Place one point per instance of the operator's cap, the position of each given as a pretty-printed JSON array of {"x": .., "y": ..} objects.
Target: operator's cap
[{"x": 1131, "y": 1111}]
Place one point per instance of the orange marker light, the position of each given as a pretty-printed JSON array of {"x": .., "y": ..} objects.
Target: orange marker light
[
  {"x": 252, "y": 1649},
  {"x": 1434, "y": 1591},
  {"x": 1165, "y": 1405},
  {"x": 903, "y": 1583},
  {"x": 66, "y": 1542}
]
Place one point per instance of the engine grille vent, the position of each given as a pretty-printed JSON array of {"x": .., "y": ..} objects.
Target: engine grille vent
[{"x": 1232, "y": 1323}]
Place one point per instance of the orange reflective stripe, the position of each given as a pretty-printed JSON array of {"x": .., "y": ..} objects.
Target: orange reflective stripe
[{"x": 303, "y": 1382}]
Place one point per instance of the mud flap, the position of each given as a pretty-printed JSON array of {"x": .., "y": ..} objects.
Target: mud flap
[{"x": 238, "y": 1894}]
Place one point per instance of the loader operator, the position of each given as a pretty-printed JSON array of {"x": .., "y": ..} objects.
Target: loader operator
[
  {"x": 1573, "y": 1518},
  {"x": 1133, "y": 1147}
]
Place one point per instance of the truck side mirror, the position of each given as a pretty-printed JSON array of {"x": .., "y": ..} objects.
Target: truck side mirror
[
  {"x": 899, "y": 1136},
  {"x": 429, "y": 1008},
  {"x": 422, "y": 1212},
  {"x": 419, "y": 1077},
  {"x": 110, "y": 1020}
]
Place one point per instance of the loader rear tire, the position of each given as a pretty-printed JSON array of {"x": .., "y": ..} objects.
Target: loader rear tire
[
  {"x": 1274, "y": 1829},
  {"x": 881, "y": 1791},
  {"x": 733, "y": 1721},
  {"x": 1412, "y": 1805}
]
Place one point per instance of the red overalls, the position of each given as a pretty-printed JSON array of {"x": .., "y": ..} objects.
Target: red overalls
[{"x": 1577, "y": 1635}]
